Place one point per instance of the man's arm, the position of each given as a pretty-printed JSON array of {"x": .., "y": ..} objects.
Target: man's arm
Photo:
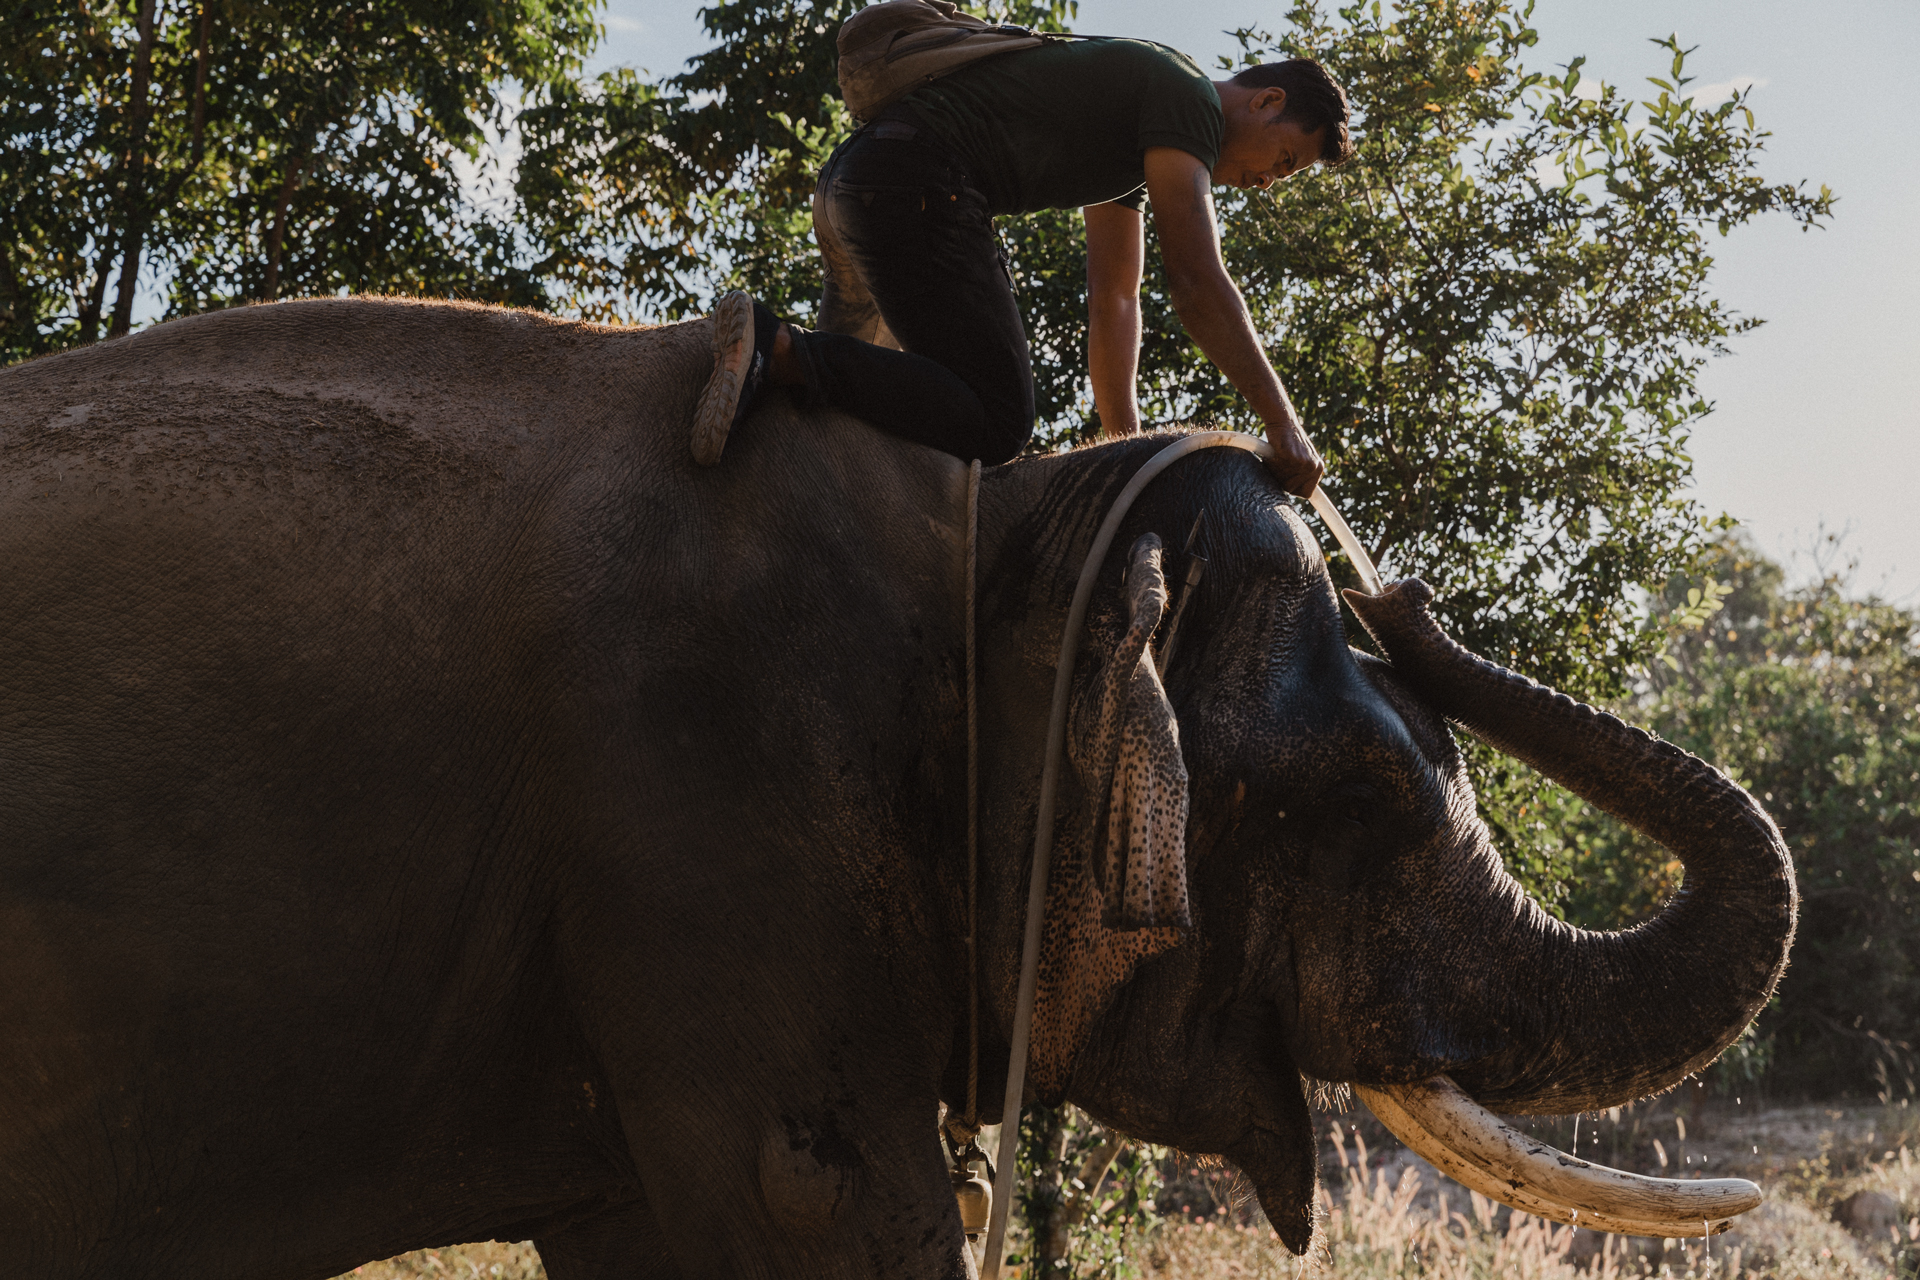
[
  {"x": 1116, "y": 257},
  {"x": 1181, "y": 192}
]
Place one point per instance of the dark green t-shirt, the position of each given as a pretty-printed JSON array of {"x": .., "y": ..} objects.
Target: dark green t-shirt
[{"x": 1068, "y": 124}]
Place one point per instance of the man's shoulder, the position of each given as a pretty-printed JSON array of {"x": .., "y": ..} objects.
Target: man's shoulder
[
  {"x": 1167, "y": 53},
  {"x": 1165, "y": 75},
  {"x": 1139, "y": 51},
  {"x": 1105, "y": 54}
]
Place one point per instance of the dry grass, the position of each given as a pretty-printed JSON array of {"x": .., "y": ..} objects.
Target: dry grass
[
  {"x": 460, "y": 1262},
  {"x": 1388, "y": 1216}
]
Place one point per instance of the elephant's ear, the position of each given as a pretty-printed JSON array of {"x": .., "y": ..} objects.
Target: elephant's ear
[{"x": 1118, "y": 891}]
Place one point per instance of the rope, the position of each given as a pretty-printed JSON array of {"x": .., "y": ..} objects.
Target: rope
[
  {"x": 973, "y": 805},
  {"x": 1049, "y": 786},
  {"x": 962, "y": 1130}
]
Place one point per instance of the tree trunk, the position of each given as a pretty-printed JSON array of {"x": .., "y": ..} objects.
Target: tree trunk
[
  {"x": 9, "y": 288},
  {"x": 200, "y": 82},
  {"x": 91, "y": 302},
  {"x": 199, "y": 147},
  {"x": 270, "y": 289},
  {"x": 1045, "y": 1138},
  {"x": 134, "y": 209},
  {"x": 129, "y": 281}
]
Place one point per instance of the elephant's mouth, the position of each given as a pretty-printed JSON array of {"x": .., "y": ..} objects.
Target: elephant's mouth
[{"x": 1476, "y": 1149}]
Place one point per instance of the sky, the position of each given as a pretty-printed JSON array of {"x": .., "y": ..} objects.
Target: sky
[{"x": 1816, "y": 425}]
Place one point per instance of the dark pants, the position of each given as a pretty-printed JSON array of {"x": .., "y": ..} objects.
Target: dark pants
[{"x": 919, "y": 333}]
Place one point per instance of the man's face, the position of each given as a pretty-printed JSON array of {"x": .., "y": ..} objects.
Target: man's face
[{"x": 1260, "y": 150}]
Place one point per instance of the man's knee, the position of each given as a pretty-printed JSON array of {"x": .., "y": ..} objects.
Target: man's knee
[{"x": 1006, "y": 425}]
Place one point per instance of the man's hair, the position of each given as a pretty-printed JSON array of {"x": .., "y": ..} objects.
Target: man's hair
[{"x": 1314, "y": 101}]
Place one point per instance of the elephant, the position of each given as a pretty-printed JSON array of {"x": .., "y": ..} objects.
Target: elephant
[{"x": 435, "y": 810}]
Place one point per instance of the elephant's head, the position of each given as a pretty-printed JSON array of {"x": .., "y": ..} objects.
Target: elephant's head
[{"x": 1350, "y": 918}]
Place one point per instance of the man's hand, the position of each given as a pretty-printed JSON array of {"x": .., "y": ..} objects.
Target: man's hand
[
  {"x": 1116, "y": 258},
  {"x": 1211, "y": 308},
  {"x": 1295, "y": 462}
]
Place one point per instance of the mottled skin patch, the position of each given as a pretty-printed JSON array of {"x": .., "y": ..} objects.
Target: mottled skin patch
[
  {"x": 1118, "y": 893},
  {"x": 433, "y": 809}
]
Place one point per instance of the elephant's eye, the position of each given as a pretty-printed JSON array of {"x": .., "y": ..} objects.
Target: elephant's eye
[
  {"x": 1344, "y": 832},
  {"x": 1356, "y": 804}
]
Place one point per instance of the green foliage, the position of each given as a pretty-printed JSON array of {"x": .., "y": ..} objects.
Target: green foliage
[
  {"x": 1810, "y": 698},
  {"x": 1087, "y": 1196},
  {"x": 242, "y": 151},
  {"x": 1493, "y": 318}
]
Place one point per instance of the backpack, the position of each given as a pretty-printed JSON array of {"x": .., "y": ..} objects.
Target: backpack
[{"x": 888, "y": 50}]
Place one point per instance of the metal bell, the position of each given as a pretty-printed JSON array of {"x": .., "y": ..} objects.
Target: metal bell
[{"x": 975, "y": 1195}]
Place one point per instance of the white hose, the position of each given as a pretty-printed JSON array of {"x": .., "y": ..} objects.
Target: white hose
[{"x": 1362, "y": 562}]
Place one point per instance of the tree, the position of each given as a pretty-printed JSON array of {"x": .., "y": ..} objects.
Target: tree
[
  {"x": 86, "y": 160},
  {"x": 1810, "y": 698},
  {"x": 1087, "y": 1195},
  {"x": 244, "y": 152},
  {"x": 1494, "y": 318}
]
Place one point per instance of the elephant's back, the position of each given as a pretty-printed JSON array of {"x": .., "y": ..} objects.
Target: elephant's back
[
  {"x": 277, "y": 528},
  {"x": 313, "y": 417},
  {"x": 375, "y": 399},
  {"x": 387, "y": 497}
]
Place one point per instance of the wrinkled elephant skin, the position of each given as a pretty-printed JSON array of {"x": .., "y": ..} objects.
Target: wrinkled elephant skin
[{"x": 432, "y": 809}]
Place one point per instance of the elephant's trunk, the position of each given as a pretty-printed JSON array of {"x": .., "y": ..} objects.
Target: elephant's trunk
[{"x": 1610, "y": 1017}]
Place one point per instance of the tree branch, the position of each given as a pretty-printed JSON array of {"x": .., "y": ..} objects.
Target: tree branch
[{"x": 1093, "y": 1171}]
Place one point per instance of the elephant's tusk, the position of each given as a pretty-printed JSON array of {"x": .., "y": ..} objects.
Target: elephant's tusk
[
  {"x": 1475, "y": 1178},
  {"x": 1474, "y": 1147}
]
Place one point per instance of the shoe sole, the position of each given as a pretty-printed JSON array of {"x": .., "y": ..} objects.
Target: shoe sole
[{"x": 732, "y": 354}]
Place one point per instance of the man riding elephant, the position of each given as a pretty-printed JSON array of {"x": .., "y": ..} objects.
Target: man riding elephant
[{"x": 920, "y": 333}]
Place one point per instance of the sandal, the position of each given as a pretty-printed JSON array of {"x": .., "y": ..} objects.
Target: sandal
[{"x": 743, "y": 334}]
